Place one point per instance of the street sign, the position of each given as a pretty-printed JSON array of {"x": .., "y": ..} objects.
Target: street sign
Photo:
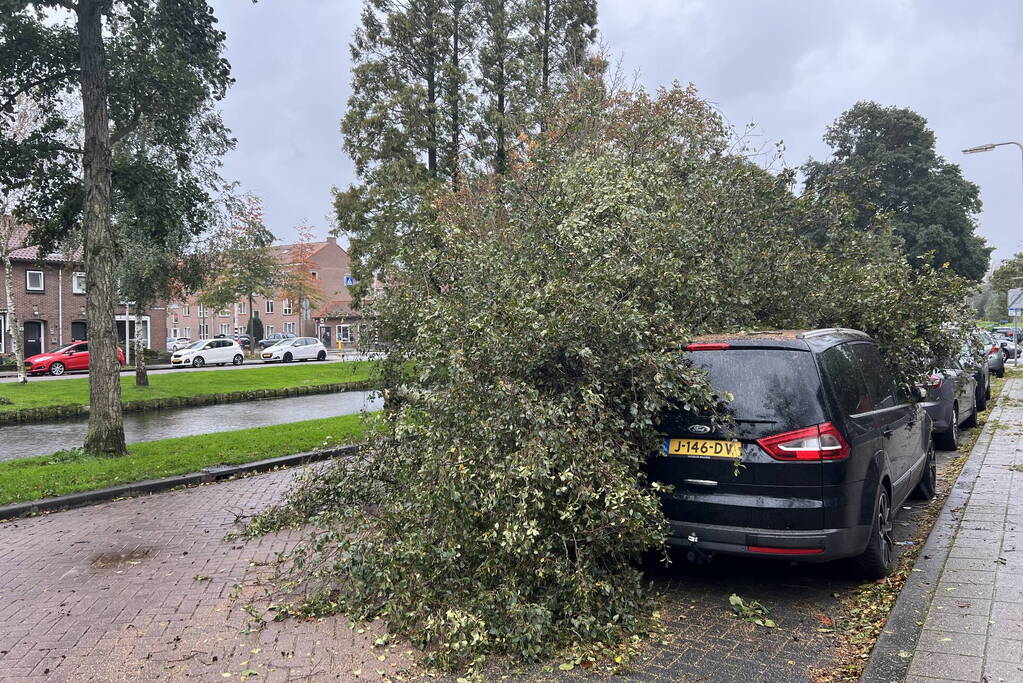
[
  {"x": 349, "y": 280},
  {"x": 1015, "y": 302}
]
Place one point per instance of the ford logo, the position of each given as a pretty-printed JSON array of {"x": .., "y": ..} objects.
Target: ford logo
[{"x": 700, "y": 429}]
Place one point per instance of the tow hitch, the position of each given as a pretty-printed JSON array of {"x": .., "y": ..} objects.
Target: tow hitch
[{"x": 697, "y": 555}]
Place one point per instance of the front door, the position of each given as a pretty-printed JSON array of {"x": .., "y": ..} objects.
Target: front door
[
  {"x": 33, "y": 338},
  {"x": 78, "y": 330}
]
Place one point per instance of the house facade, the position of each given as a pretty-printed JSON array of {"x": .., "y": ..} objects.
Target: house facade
[
  {"x": 329, "y": 265},
  {"x": 49, "y": 292}
]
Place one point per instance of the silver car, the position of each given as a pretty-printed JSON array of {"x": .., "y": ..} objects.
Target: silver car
[{"x": 993, "y": 350}]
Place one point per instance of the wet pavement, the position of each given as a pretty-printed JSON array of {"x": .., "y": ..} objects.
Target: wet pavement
[{"x": 26, "y": 440}]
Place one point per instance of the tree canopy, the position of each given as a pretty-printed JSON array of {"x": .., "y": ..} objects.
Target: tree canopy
[
  {"x": 884, "y": 160},
  {"x": 537, "y": 324}
]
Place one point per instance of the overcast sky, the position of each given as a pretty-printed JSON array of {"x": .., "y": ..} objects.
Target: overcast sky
[{"x": 790, "y": 66}]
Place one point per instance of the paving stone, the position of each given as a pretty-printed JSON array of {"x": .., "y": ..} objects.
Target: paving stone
[{"x": 950, "y": 666}]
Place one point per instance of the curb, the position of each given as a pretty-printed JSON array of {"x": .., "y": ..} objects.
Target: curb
[
  {"x": 140, "y": 488},
  {"x": 902, "y": 630}
]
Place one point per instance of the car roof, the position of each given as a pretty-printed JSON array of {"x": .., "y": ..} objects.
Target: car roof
[{"x": 807, "y": 340}]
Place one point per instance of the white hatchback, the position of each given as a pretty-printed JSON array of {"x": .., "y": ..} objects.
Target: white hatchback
[
  {"x": 209, "y": 352},
  {"x": 299, "y": 348}
]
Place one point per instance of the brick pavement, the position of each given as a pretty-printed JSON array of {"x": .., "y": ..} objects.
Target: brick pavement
[
  {"x": 144, "y": 589},
  {"x": 973, "y": 629}
]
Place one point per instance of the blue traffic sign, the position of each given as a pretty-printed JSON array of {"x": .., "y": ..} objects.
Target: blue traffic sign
[{"x": 349, "y": 280}]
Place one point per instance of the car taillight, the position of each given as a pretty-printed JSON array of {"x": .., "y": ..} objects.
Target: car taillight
[
  {"x": 707, "y": 347},
  {"x": 935, "y": 381},
  {"x": 995, "y": 349},
  {"x": 820, "y": 442}
]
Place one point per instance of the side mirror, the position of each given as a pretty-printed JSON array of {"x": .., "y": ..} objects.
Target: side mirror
[{"x": 69, "y": 352}]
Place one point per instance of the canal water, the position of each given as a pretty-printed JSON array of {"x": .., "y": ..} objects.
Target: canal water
[{"x": 26, "y": 440}]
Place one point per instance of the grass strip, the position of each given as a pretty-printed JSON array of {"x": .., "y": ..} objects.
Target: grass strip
[
  {"x": 66, "y": 472},
  {"x": 182, "y": 384}
]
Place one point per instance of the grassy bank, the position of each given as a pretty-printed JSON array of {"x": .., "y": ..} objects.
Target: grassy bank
[
  {"x": 70, "y": 472},
  {"x": 183, "y": 384}
]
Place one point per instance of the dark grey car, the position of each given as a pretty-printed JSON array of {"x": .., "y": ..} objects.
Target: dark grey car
[{"x": 952, "y": 402}]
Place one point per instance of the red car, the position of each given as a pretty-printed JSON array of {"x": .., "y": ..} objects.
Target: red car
[{"x": 74, "y": 356}]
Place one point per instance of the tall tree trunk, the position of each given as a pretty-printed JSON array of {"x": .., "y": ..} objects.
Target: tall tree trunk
[
  {"x": 545, "y": 56},
  {"x": 15, "y": 328},
  {"x": 141, "y": 376},
  {"x": 431, "y": 111},
  {"x": 456, "y": 93},
  {"x": 252, "y": 326},
  {"x": 105, "y": 434},
  {"x": 501, "y": 38}
]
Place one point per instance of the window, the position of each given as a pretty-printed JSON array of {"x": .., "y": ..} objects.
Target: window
[
  {"x": 224, "y": 313},
  {"x": 204, "y": 331},
  {"x": 879, "y": 383},
  {"x": 268, "y": 330},
  {"x": 202, "y": 312},
  {"x": 79, "y": 330},
  {"x": 269, "y": 305},
  {"x": 174, "y": 332},
  {"x": 78, "y": 283},
  {"x": 842, "y": 371},
  {"x": 34, "y": 280},
  {"x": 242, "y": 308},
  {"x": 225, "y": 328},
  {"x": 287, "y": 307},
  {"x": 344, "y": 333},
  {"x": 289, "y": 328},
  {"x": 316, "y": 276},
  {"x": 3, "y": 323},
  {"x": 187, "y": 333},
  {"x": 187, "y": 310}
]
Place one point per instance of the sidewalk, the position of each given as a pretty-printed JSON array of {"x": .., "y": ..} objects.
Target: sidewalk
[{"x": 972, "y": 619}]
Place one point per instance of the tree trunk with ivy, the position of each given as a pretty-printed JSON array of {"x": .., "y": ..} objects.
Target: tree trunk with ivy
[
  {"x": 141, "y": 375},
  {"x": 15, "y": 327},
  {"x": 105, "y": 434}
]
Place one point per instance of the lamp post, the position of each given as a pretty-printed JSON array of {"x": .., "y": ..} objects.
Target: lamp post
[{"x": 988, "y": 148}]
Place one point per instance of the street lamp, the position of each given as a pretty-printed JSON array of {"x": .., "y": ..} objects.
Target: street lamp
[{"x": 988, "y": 148}]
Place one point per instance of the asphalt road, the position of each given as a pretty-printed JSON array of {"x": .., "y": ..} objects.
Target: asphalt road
[{"x": 10, "y": 376}]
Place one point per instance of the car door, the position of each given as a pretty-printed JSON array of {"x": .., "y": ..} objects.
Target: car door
[
  {"x": 226, "y": 351},
  {"x": 79, "y": 359},
  {"x": 966, "y": 388},
  {"x": 302, "y": 348},
  {"x": 896, "y": 418}
]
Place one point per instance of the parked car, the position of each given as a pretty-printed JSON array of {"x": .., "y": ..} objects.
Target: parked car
[
  {"x": 175, "y": 343},
  {"x": 993, "y": 351},
  {"x": 952, "y": 402},
  {"x": 829, "y": 450},
  {"x": 244, "y": 340},
  {"x": 208, "y": 352},
  {"x": 69, "y": 358},
  {"x": 269, "y": 341},
  {"x": 1008, "y": 347},
  {"x": 299, "y": 348}
]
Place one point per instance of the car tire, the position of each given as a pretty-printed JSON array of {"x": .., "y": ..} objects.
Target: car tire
[
  {"x": 198, "y": 362},
  {"x": 322, "y": 355},
  {"x": 287, "y": 358},
  {"x": 928, "y": 484},
  {"x": 948, "y": 440},
  {"x": 237, "y": 360},
  {"x": 878, "y": 558},
  {"x": 57, "y": 369},
  {"x": 1000, "y": 372},
  {"x": 981, "y": 405}
]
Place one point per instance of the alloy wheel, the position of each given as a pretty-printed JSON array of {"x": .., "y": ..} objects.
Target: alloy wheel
[
  {"x": 57, "y": 369},
  {"x": 955, "y": 425},
  {"x": 885, "y": 527}
]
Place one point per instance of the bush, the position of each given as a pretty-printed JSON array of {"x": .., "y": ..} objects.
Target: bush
[{"x": 538, "y": 322}]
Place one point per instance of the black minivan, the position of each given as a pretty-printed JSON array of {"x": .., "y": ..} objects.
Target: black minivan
[{"x": 820, "y": 451}]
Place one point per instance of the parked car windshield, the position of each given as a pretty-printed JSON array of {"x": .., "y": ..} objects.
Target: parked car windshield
[{"x": 195, "y": 345}]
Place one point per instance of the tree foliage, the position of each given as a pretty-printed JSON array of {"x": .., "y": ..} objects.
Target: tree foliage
[
  {"x": 439, "y": 88},
  {"x": 538, "y": 323},
  {"x": 884, "y": 161},
  {"x": 1008, "y": 275}
]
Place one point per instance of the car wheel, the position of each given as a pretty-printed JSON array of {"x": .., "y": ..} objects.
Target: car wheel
[
  {"x": 1000, "y": 372},
  {"x": 982, "y": 397},
  {"x": 287, "y": 358},
  {"x": 57, "y": 369},
  {"x": 877, "y": 560},
  {"x": 198, "y": 362},
  {"x": 237, "y": 360},
  {"x": 322, "y": 355},
  {"x": 928, "y": 484},
  {"x": 948, "y": 440}
]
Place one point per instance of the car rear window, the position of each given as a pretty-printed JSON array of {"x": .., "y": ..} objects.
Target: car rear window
[{"x": 777, "y": 387}]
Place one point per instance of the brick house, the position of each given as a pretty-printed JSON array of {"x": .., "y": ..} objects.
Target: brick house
[
  {"x": 49, "y": 297},
  {"x": 330, "y": 268}
]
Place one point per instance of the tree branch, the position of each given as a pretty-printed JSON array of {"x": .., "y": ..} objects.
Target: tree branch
[{"x": 10, "y": 100}]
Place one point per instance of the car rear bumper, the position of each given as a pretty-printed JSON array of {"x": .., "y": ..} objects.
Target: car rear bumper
[
  {"x": 818, "y": 545},
  {"x": 940, "y": 413}
]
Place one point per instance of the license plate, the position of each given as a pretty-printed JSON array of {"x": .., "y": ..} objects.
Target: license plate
[
  {"x": 175, "y": 360},
  {"x": 705, "y": 447},
  {"x": 267, "y": 355}
]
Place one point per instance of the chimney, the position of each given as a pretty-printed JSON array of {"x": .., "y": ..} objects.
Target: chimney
[{"x": 332, "y": 240}]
